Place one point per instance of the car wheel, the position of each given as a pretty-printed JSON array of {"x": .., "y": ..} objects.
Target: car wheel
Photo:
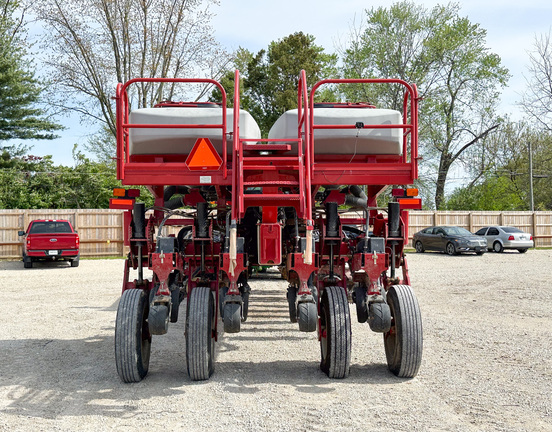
[
  {"x": 450, "y": 249},
  {"x": 497, "y": 247},
  {"x": 419, "y": 247},
  {"x": 522, "y": 250}
]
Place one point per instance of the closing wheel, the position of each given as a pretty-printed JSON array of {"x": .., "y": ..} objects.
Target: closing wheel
[
  {"x": 291, "y": 298},
  {"x": 404, "y": 340},
  {"x": 360, "y": 301},
  {"x": 200, "y": 340},
  {"x": 379, "y": 317},
  {"x": 132, "y": 336},
  {"x": 232, "y": 317},
  {"x": 307, "y": 316},
  {"x": 335, "y": 333},
  {"x": 419, "y": 247}
]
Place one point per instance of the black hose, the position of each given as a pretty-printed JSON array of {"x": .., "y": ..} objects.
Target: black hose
[
  {"x": 171, "y": 190},
  {"x": 174, "y": 203}
]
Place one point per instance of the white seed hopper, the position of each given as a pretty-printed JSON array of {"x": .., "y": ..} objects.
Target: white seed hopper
[{"x": 364, "y": 141}]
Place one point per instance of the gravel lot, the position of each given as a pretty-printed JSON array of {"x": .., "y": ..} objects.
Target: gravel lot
[{"x": 487, "y": 362}]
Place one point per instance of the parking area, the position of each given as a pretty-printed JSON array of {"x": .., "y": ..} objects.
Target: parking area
[{"x": 487, "y": 362}]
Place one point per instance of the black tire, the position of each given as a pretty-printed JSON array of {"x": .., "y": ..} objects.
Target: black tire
[
  {"x": 479, "y": 252},
  {"x": 419, "y": 247},
  {"x": 75, "y": 262},
  {"x": 379, "y": 317},
  {"x": 497, "y": 247},
  {"x": 335, "y": 331},
  {"x": 200, "y": 340},
  {"x": 245, "y": 303},
  {"x": 522, "y": 250},
  {"x": 158, "y": 319},
  {"x": 450, "y": 249},
  {"x": 132, "y": 336},
  {"x": 307, "y": 316},
  {"x": 404, "y": 341},
  {"x": 232, "y": 317},
  {"x": 291, "y": 298},
  {"x": 361, "y": 306},
  {"x": 27, "y": 262}
]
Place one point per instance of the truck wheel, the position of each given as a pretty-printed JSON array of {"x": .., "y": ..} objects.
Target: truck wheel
[
  {"x": 27, "y": 262},
  {"x": 200, "y": 337},
  {"x": 307, "y": 316},
  {"x": 404, "y": 340},
  {"x": 335, "y": 333},
  {"x": 75, "y": 262},
  {"x": 132, "y": 336}
]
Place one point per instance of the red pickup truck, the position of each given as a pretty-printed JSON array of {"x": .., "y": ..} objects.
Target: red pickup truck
[{"x": 50, "y": 240}]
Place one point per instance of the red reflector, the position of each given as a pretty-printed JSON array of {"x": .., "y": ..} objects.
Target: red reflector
[
  {"x": 410, "y": 203},
  {"x": 133, "y": 193},
  {"x": 121, "y": 204},
  {"x": 397, "y": 192},
  {"x": 203, "y": 156}
]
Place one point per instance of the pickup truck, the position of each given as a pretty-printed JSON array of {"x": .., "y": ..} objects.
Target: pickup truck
[{"x": 50, "y": 240}]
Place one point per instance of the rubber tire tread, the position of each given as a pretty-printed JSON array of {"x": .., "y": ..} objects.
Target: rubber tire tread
[
  {"x": 421, "y": 248},
  {"x": 338, "y": 331},
  {"x": 131, "y": 359},
  {"x": 501, "y": 248},
  {"x": 453, "y": 249},
  {"x": 291, "y": 297},
  {"x": 199, "y": 338},
  {"x": 232, "y": 318},
  {"x": 404, "y": 352},
  {"x": 381, "y": 317},
  {"x": 307, "y": 316},
  {"x": 361, "y": 305}
]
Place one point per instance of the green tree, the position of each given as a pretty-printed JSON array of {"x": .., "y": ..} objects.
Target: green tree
[
  {"x": 20, "y": 116},
  {"x": 457, "y": 75},
  {"x": 271, "y": 76}
]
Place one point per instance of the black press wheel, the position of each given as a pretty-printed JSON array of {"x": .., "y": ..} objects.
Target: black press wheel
[
  {"x": 132, "y": 336},
  {"x": 200, "y": 338},
  {"x": 335, "y": 332},
  {"x": 497, "y": 247},
  {"x": 404, "y": 340},
  {"x": 450, "y": 249},
  {"x": 291, "y": 298},
  {"x": 232, "y": 317},
  {"x": 307, "y": 316},
  {"x": 419, "y": 247}
]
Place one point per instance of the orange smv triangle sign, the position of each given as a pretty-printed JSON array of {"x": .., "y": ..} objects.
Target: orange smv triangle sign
[{"x": 203, "y": 156}]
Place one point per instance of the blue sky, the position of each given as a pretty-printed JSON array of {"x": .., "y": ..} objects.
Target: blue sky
[{"x": 511, "y": 28}]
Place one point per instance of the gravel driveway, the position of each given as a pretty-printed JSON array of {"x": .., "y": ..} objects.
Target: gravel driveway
[{"x": 487, "y": 362}]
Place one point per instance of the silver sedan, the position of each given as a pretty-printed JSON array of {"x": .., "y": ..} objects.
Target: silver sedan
[{"x": 505, "y": 237}]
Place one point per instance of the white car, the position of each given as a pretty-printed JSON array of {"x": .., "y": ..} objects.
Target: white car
[{"x": 505, "y": 237}]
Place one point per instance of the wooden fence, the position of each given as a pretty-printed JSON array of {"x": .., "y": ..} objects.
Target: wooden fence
[{"x": 101, "y": 231}]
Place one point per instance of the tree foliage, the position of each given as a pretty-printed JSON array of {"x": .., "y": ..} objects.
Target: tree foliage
[
  {"x": 271, "y": 77},
  {"x": 94, "y": 44},
  {"x": 457, "y": 75},
  {"x": 28, "y": 181},
  {"x": 537, "y": 99},
  {"x": 20, "y": 115},
  {"x": 506, "y": 183}
]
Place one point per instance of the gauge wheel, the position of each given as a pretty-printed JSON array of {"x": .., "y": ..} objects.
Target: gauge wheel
[
  {"x": 450, "y": 249},
  {"x": 419, "y": 247},
  {"x": 497, "y": 247}
]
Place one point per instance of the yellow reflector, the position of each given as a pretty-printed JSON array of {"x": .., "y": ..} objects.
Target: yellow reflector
[
  {"x": 119, "y": 192},
  {"x": 412, "y": 192},
  {"x": 203, "y": 156}
]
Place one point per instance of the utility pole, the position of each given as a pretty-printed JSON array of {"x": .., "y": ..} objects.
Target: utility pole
[{"x": 532, "y": 203}]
